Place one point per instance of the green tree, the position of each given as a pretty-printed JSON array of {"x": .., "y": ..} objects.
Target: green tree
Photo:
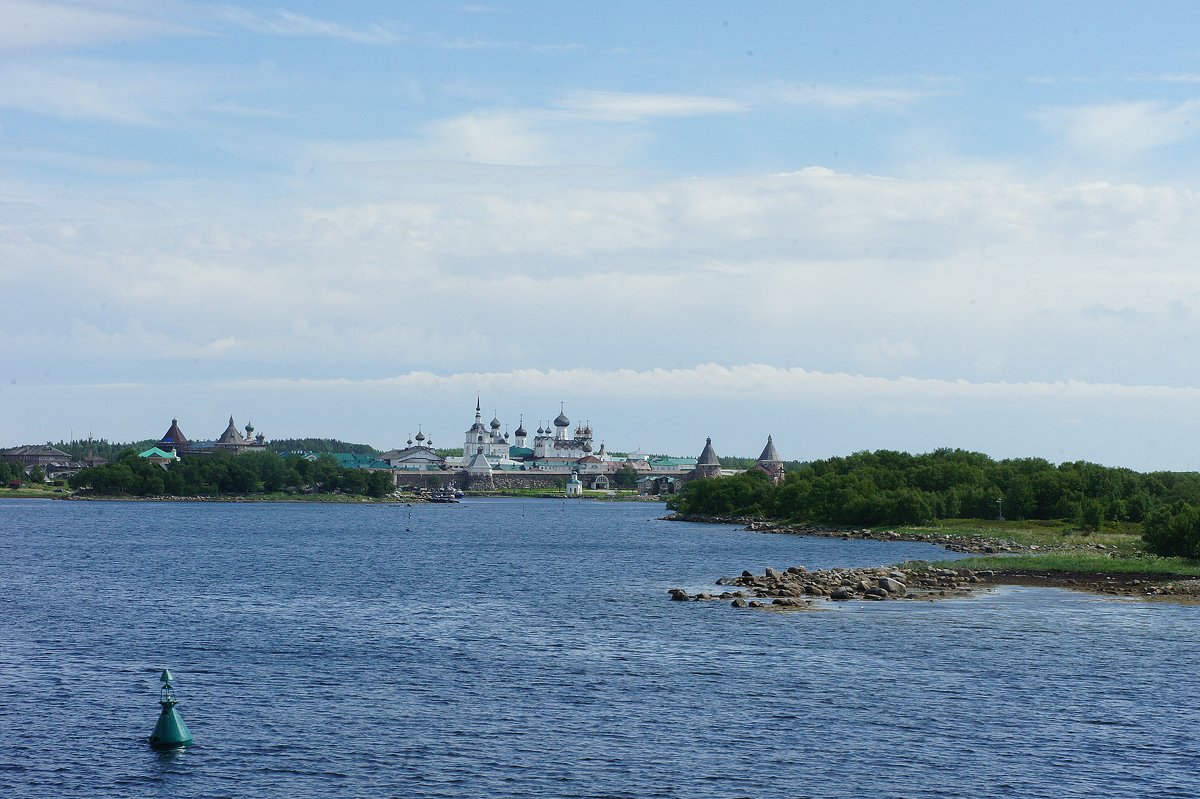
[
  {"x": 626, "y": 477},
  {"x": 1173, "y": 531}
]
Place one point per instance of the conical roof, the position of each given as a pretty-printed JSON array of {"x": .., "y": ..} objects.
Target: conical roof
[
  {"x": 174, "y": 436},
  {"x": 231, "y": 434},
  {"x": 769, "y": 453},
  {"x": 708, "y": 456}
]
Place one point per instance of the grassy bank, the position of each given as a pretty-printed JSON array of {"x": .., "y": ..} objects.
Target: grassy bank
[
  {"x": 34, "y": 491},
  {"x": 1063, "y": 548},
  {"x": 1125, "y": 538},
  {"x": 1080, "y": 563}
]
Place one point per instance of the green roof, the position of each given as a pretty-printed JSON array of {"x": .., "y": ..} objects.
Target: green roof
[
  {"x": 673, "y": 461},
  {"x": 155, "y": 452}
]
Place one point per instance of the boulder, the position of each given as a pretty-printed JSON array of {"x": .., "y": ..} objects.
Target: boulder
[
  {"x": 678, "y": 595},
  {"x": 894, "y": 587},
  {"x": 773, "y": 575},
  {"x": 841, "y": 593},
  {"x": 739, "y": 603}
]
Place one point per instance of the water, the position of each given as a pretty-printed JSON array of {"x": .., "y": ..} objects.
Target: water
[{"x": 527, "y": 648}]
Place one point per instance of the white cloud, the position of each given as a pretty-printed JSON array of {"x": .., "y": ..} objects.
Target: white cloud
[
  {"x": 843, "y": 97},
  {"x": 288, "y": 23},
  {"x": 631, "y": 106},
  {"x": 33, "y": 25},
  {"x": 1125, "y": 130}
]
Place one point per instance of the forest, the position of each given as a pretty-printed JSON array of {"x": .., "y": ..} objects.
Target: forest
[
  {"x": 897, "y": 488},
  {"x": 223, "y": 474}
]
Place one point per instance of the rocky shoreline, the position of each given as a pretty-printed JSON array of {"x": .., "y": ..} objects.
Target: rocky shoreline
[{"x": 796, "y": 588}]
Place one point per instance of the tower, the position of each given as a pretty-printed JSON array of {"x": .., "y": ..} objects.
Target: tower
[
  {"x": 708, "y": 464},
  {"x": 770, "y": 462}
]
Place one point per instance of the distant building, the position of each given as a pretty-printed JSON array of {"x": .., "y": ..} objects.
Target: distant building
[
  {"x": 52, "y": 461},
  {"x": 233, "y": 441},
  {"x": 174, "y": 440},
  {"x": 770, "y": 462},
  {"x": 708, "y": 464},
  {"x": 36, "y": 455},
  {"x": 161, "y": 457},
  {"x": 418, "y": 456}
]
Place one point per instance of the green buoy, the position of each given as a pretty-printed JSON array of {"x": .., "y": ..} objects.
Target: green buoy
[{"x": 170, "y": 732}]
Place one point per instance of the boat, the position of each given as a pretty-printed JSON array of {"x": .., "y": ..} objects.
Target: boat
[{"x": 443, "y": 495}]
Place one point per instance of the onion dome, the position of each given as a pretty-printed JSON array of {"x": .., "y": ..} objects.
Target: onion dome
[
  {"x": 561, "y": 420},
  {"x": 420, "y": 436},
  {"x": 521, "y": 428},
  {"x": 410, "y": 442},
  {"x": 540, "y": 431},
  {"x": 495, "y": 423},
  {"x": 587, "y": 446}
]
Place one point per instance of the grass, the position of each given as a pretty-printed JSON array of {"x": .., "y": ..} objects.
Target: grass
[
  {"x": 1084, "y": 563},
  {"x": 1124, "y": 537},
  {"x": 35, "y": 491}
]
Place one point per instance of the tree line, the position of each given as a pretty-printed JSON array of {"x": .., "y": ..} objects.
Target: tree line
[
  {"x": 886, "y": 487},
  {"x": 225, "y": 474}
]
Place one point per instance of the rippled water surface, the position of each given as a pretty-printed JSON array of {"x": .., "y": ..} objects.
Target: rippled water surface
[{"x": 526, "y": 648}]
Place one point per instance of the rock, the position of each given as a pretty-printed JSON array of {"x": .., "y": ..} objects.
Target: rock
[
  {"x": 797, "y": 570},
  {"x": 678, "y": 595},
  {"x": 772, "y": 575},
  {"x": 841, "y": 593},
  {"x": 702, "y": 596},
  {"x": 756, "y": 604},
  {"x": 875, "y": 592},
  {"x": 894, "y": 587},
  {"x": 748, "y": 574},
  {"x": 727, "y": 581},
  {"x": 739, "y": 603}
]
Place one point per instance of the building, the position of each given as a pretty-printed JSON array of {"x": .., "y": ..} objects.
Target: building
[
  {"x": 770, "y": 462},
  {"x": 52, "y": 461},
  {"x": 163, "y": 458},
  {"x": 558, "y": 445},
  {"x": 708, "y": 464},
  {"x": 417, "y": 456},
  {"x": 495, "y": 445},
  {"x": 32, "y": 455},
  {"x": 174, "y": 440},
  {"x": 234, "y": 442}
]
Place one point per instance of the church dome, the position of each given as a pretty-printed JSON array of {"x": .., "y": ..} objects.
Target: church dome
[
  {"x": 420, "y": 436},
  {"x": 521, "y": 431},
  {"x": 562, "y": 420},
  {"x": 495, "y": 423},
  {"x": 587, "y": 446}
]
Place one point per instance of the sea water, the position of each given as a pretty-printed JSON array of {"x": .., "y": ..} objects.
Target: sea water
[{"x": 527, "y": 648}]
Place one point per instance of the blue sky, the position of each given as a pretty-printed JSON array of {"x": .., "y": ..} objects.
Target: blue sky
[{"x": 853, "y": 225}]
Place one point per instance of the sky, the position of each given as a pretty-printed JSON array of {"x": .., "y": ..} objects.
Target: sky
[{"x": 852, "y": 226}]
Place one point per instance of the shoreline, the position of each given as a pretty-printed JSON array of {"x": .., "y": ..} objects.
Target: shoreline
[
  {"x": 1107, "y": 578},
  {"x": 953, "y": 543}
]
